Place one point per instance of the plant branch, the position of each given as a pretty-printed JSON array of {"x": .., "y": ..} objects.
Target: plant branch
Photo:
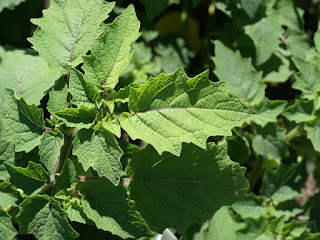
[{"x": 295, "y": 132}]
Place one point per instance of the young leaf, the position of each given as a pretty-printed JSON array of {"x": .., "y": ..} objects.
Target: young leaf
[
  {"x": 7, "y": 231},
  {"x": 171, "y": 109},
  {"x": 83, "y": 92},
  {"x": 23, "y": 124},
  {"x": 270, "y": 142},
  {"x": 240, "y": 76},
  {"x": 81, "y": 117},
  {"x": 28, "y": 179},
  {"x": 173, "y": 191},
  {"x": 268, "y": 111},
  {"x": 58, "y": 97},
  {"x": 67, "y": 29},
  {"x": 111, "y": 53},
  {"x": 111, "y": 124},
  {"x": 107, "y": 206},
  {"x": 300, "y": 111},
  {"x": 99, "y": 150},
  {"x": 26, "y": 73},
  {"x": 283, "y": 194},
  {"x": 49, "y": 149},
  {"x": 255, "y": 229},
  {"x": 43, "y": 217},
  {"x": 249, "y": 209},
  {"x": 313, "y": 133},
  {"x": 265, "y": 35},
  {"x": 9, "y": 195}
]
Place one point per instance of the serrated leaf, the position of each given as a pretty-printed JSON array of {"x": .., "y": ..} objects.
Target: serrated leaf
[
  {"x": 307, "y": 79},
  {"x": 58, "y": 97},
  {"x": 26, "y": 73},
  {"x": 255, "y": 230},
  {"x": 290, "y": 15},
  {"x": 7, "y": 231},
  {"x": 270, "y": 142},
  {"x": 68, "y": 177},
  {"x": 173, "y": 191},
  {"x": 99, "y": 150},
  {"x": 240, "y": 76},
  {"x": 268, "y": 111},
  {"x": 111, "y": 53},
  {"x": 23, "y": 124},
  {"x": 81, "y": 117},
  {"x": 249, "y": 209},
  {"x": 107, "y": 206},
  {"x": 300, "y": 111},
  {"x": 111, "y": 124},
  {"x": 83, "y": 92},
  {"x": 49, "y": 149},
  {"x": 265, "y": 35},
  {"x": 9, "y": 195},
  {"x": 75, "y": 212},
  {"x": 313, "y": 133},
  {"x": 300, "y": 44},
  {"x": 171, "y": 109},
  {"x": 43, "y": 217},
  {"x": 28, "y": 179},
  {"x": 283, "y": 194},
  {"x": 222, "y": 226},
  {"x": 67, "y": 29}
]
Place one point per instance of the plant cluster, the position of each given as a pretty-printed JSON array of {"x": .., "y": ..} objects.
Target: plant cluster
[{"x": 92, "y": 147}]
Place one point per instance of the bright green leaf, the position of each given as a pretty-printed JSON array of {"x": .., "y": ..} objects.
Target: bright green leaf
[
  {"x": 107, "y": 206},
  {"x": 43, "y": 217},
  {"x": 249, "y": 209},
  {"x": 240, "y": 76},
  {"x": 67, "y": 29},
  {"x": 255, "y": 230},
  {"x": 58, "y": 97},
  {"x": 171, "y": 109},
  {"x": 290, "y": 15},
  {"x": 178, "y": 191},
  {"x": 313, "y": 133},
  {"x": 75, "y": 212},
  {"x": 111, "y": 53},
  {"x": 300, "y": 111},
  {"x": 99, "y": 150},
  {"x": 7, "y": 231},
  {"x": 9, "y": 195},
  {"x": 283, "y": 194}
]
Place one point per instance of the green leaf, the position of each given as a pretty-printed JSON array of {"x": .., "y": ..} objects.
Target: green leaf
[
  {"x": 111, "y": 124},
  {"x": 9, "y": 4},
  {"x": 26, "y": 73},
  {"x": 28, "y": 179},
  {"x": 270, "y": 142},
  {"x": 173, "y": 191},
  {"x": 300, "y": 44},
  {"x": 43, "y": 217},
  {"x": 249, "y": 209},
  {"x": 294, "y": 228},
  {"x": 255, "y": 230},
  {"x": 238, "y": 149},
  {"x": 49, "y": 149},
  {"x": 99, "y": 150},
  {"x": 222, "y": 226},
  {"x": 290, "y": 15},
  {"x": 171, "y": 109},
  {"x": 58, "y": 97},
  {"x": 111, "y": 53},
  {"x": 67, "y": 29},
  {"x": 313, "y": 133},
  {"x": 250, "y": 6},
  {"x": 268, "y": 111},
  {"x": 81, "y": 117},
  {"x": 23, "y": 124},
  {"x": 75, "y": 212},
  {"x": 107, "y": 206},
  {"x": 9, "y": 195},
  {"x": 283, "y": 194},
  {"x": 240, "y": 76},
  {"x": 300, "y": 111},
  {"x": 83, "y": 92},
  {"x": 68, "y": 177},
  {"x": 7, "y": 231},
  {"x": 7, "y": 152},
  {"x": 265, "y": 35},
  {"x": 307, "y": 79}
]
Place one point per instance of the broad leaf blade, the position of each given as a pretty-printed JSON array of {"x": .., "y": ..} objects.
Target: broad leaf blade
[
  {"x": 9, "y": 195},
  {"x": 111, "y": 53},
  {"x": 7, "y": 231},
  {"x": 171, "y": 109},
  {"x": 67, "y": 29},
  {"x": 43, "y": 217},
  {"x": 23, "y": 124},
  {"x": 99, "y": 150},
  {"x": 173, "y": 191},
  {"x": 240, "y": 76},
  {"x": 111, "y": 211}
]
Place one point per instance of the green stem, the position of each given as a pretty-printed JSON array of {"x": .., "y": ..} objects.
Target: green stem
[
  {"x": 295, "y": 132},
  {"x": 256, "y": 173}
]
